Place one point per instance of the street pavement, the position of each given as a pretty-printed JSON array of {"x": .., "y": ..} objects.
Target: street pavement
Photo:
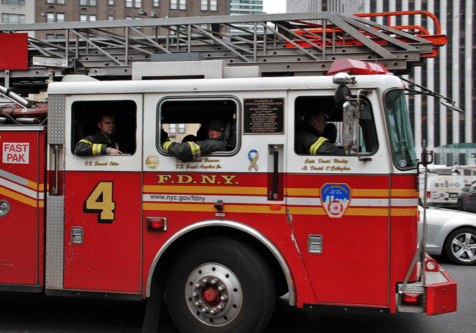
[{"x": 39, "y": 314}]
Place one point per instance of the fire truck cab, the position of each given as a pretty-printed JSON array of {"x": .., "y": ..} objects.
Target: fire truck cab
[{"x": 227, "y": 233}]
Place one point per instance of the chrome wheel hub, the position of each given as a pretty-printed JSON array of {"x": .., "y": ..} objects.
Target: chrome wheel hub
[
  {"x": 214, "y": 294},
  {"x": 464, "y": 247}
]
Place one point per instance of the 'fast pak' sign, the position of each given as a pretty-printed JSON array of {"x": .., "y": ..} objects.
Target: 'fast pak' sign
[{"x": 17, "y": 153}]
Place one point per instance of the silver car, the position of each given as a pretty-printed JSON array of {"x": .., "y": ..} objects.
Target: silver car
[{"x": 450, "y": 232}]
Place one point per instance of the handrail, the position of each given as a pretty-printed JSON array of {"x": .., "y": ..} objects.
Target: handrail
[{"x": 402, "y": 13}]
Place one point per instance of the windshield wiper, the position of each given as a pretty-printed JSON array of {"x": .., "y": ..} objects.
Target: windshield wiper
[{"x": 450, "y": 104}]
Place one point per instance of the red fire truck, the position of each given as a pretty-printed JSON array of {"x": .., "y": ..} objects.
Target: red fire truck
[{"x": 226, "y": 234}]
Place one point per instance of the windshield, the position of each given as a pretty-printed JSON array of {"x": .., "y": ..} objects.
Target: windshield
[{"x": 400, "y": 131}]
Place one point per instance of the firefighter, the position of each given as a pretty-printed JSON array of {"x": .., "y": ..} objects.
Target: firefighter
[
  {"x": 101, "y": 143},
  {"x": 189, "y": 151},
  {"x": 311, "y": 139},
  {"x": 330, "y": 132}
]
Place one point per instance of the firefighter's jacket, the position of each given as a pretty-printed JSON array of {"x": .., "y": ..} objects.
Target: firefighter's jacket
[
  {"x": 96, "y": 144},
  {"x": 189, "y": 151},
  {"x": 309, "y": 141}
]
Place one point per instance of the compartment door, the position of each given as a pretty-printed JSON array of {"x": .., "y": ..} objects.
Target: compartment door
[{"x": 21, "y": 207}]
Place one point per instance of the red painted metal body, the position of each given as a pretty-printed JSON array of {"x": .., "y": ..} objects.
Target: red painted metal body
[
  {"x": 110, "y": 257},
  {"x": 22, "y": 182},
  {"x": 13, "y": 51},
  {"x": 441, "y": 297}
]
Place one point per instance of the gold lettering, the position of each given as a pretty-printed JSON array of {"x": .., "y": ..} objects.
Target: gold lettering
[
  {"x": 184, "y": 179},
  {"x": 228, "y": 179},
  {"x": 340, "y": 161},
  {"x": 324, "y": 161},
  {"x": 305, "y": 168},
  {"x": 207, "y": 167},
  {"x": 100, "y": 164},
  {"x": 339, "y": 168},
  {"x": 208, "y": 179},
  {"x": 163, "y": 179},
  {"x": 211, "y": 161},
  {"x": 113, "y": 163},
  {"x": 308, "y": 161},
  {"x": 317, "y": 168}
]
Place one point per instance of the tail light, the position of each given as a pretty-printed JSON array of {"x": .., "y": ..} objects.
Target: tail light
[{"x": 411, "y": 298}]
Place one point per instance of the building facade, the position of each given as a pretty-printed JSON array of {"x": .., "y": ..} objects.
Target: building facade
[
  {"x": 17, "y": 12},
  {"x": 51, "y": 11},
  {"x": 449, "y": 74},
  {"x": 245, "y": 7}
]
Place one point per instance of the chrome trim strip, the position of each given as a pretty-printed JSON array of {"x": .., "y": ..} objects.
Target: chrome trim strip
[
  {"x": 235, "y": 225},
  {"x": 13, "y": 177}
]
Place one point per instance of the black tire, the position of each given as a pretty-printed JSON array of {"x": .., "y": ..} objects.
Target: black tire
[
  {"x": 460, "y": 246},
  {"x": 241, "y": 275}
]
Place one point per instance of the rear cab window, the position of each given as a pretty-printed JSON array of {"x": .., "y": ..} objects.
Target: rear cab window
[{"x": 187, "y": 120}]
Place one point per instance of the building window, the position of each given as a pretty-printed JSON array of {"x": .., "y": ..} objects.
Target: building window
[
  {"x": 183, "y": 4},
  {"x": 83, "y": 18},
  {"x": 92, "y": 18},
  {"x": 50, "y": 36},
  {"x": 156, "y": 3},
  {"x": 92, "y": 3},
  {"x": 138, "y": 3},
  {"x": 50, "y": 1},
  {"x": 128, "y": 17},
  {"x": 110, "y": 2},
  {"x": 50, "y": 17},
  {"x": 14, "y": 2},
  {"x": 128, "y": 3},
  {"x": 59, "y": 36},
  {"x": 13, "y": 18},
  {"x": 59, "y": 17},
  {"x": 110, "y": 18},
  {"x": 204, "y": 4},
  {"x": 173, "y": 4},
  {"x": 214, "y": 5},
  {"x": 60, "y": 2},
  {"x": 173, "y": 128},
  {"x": 181, "y": 128},
  {"x": 83, "y": 2}
]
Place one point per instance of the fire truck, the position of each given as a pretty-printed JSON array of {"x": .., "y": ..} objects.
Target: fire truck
[{"x": 225, "y": 235}]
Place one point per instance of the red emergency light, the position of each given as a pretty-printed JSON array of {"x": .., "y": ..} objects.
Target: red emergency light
[
  {"x": 156, "y": 224},
  {"x": 357, "y": 67}
]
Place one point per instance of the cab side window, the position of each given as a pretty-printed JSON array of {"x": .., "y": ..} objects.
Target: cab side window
[
  {"x": 317, "y": 117},
  {"x": 87, "y": 114},
  {"x": 190, "y": 120}
]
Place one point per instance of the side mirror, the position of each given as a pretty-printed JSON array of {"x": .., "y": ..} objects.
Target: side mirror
[{"x": 341, "y": 95}]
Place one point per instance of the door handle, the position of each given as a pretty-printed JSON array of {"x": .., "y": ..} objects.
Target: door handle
[
  {"x": 273, "y": 186},
  {"x": 54, "y": 190}
]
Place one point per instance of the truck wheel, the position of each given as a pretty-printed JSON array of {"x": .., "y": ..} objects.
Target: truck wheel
[
  {"x": 220, "y": 285},
  {"x": 460, "y": 246}
]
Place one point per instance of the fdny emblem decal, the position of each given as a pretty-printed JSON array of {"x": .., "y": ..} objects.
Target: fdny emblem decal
[{"x": 335, "y": 199}]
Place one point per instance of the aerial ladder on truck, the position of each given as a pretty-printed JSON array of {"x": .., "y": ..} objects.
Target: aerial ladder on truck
[
  {"x": 280, "y": 44},
  {"x": 299, "y": 45}
]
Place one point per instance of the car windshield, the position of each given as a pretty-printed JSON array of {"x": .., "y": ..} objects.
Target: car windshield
[{"x": 400, "y": 131}]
